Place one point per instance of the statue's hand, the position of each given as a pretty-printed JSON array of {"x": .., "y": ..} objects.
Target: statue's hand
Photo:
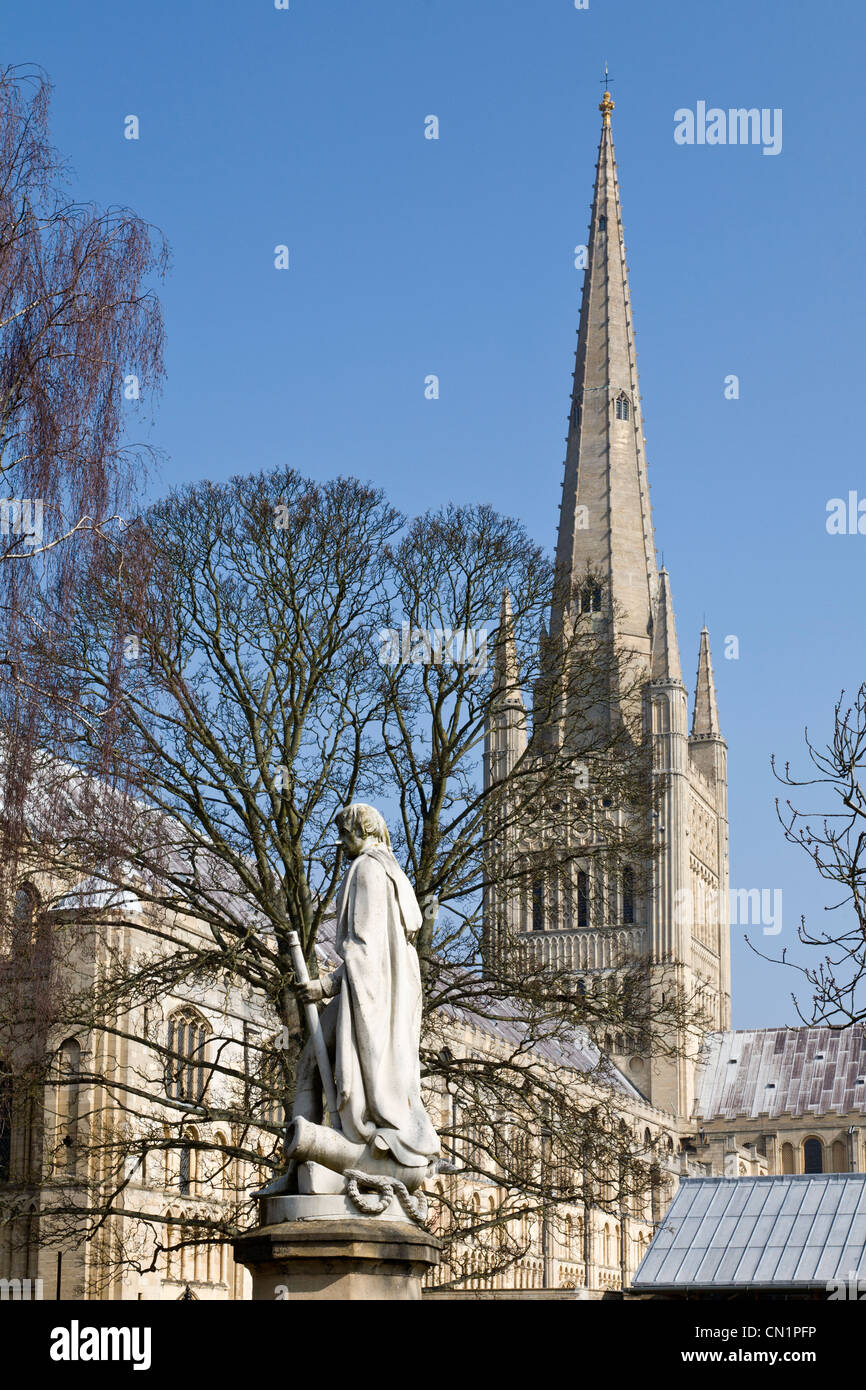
[{"x": 311, "y": 992}]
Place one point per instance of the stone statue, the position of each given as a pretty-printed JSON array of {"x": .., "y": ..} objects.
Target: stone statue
[{"x": 380, "y": 1136}]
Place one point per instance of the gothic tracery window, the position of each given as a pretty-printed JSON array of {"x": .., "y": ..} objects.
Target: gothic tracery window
[
  {"x": 185, "y": 1067},
  {"x": 623, "y": 408}
]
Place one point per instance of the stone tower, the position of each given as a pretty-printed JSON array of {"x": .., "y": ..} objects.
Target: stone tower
[{"x": 605, "y": 528}]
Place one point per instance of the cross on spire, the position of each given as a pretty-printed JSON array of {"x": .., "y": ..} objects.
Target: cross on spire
[{"x": 606, "y": 105}]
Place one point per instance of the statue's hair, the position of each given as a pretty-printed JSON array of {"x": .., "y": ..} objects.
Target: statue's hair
[{"x": 364, "y": 821}]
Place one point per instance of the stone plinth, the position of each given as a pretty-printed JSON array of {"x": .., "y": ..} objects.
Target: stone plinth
[{"x": 348, "y": 1257}]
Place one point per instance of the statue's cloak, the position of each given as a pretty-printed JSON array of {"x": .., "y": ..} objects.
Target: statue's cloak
[{"x": 377, "y": 1069}]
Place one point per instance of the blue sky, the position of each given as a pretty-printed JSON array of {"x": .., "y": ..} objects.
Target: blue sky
[{"x": 455, "y": 257}]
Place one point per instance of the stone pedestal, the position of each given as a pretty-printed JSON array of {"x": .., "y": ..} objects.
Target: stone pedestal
[{"x": 338, "y": 1258}]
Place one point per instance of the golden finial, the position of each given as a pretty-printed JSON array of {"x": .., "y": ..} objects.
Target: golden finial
[{"x": 606, "y": 104}]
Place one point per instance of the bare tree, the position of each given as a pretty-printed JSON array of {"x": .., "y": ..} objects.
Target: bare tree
[
  {"x": 833, "y": 835},
  {"x": 235, "y": 682},
  {"x": 81, "y": 338}
]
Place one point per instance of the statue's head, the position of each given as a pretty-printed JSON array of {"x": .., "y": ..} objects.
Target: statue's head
[{"x": 360, "y": 822}]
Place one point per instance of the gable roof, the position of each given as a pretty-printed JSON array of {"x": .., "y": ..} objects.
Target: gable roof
[
  {"x": 782, "y": 1071},
  {"x": 783, "y": 1232}
]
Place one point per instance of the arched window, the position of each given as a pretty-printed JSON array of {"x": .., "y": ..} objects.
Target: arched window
[
  {"x": 222, "y": 1173},
  {"x": 183, "y": 1180},
  {"x": 69, "y": 1068},
  {"x": 602, "y": 223},
  {"x": 582, "y": 898},
  {"x": 169, "y": 1239},
  {"x": 628, "y": 895},
  {"x": 787, "y": 1158},
  {"x": 538, "y": 904},
  {"x": 647, "y": 1137},
  {"x": 623, "y": 409},
  {"x": 813, "y": 1156},
  {"x": 590, "y": 598},
  {"x": 25, "y": 909},
  {"x": 188, "y": 1163},
  {"x": 5, "y": 1121},
  {"x": 186, "y": 1076}
]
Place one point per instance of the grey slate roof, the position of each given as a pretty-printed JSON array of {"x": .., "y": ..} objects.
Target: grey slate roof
[
  {"x": 784, "y": 1232},
  {"x": 778, "y": 1071}
]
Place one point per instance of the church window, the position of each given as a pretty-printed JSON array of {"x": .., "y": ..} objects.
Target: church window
[
  {"x": 622, "y": 407},
  {"x": 187, "y": 1164},
  {"x": 185, "y": 1068},
  {"x": 590, "y": 598},
  {"x": 582, "y": 899},
  {"x": 602, "y": 223},
  {"x": 813, "y": 1156},
  {"x": 69, "y": 1066},
  {"x": 538, "y": 905},
  {"x": 628, "y": 895},
  {"x": 183, "y": 1181},
  {"x": 24, "y": 910}
]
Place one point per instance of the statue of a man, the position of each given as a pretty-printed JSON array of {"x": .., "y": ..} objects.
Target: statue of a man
[{"x": 372, "y": 1021}]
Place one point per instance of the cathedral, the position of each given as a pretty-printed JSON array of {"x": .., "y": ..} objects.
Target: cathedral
[
  {"x": 606, "y": 531},
  {"x": 735, "y": 1104}
]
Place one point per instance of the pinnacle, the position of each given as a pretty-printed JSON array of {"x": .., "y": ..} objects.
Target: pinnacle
[
  {"x": 665, "y": 652},
  {"x": 706, "y": 716}
]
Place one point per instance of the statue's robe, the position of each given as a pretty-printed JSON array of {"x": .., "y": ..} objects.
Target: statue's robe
[{"x": 378, "y": 1028}]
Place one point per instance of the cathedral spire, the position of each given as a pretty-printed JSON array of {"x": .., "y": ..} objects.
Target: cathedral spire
[
  {"x": 706, "y": 716},
  {"x": 665, "y": 652},
  {"x": 605, "y": 530}
]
